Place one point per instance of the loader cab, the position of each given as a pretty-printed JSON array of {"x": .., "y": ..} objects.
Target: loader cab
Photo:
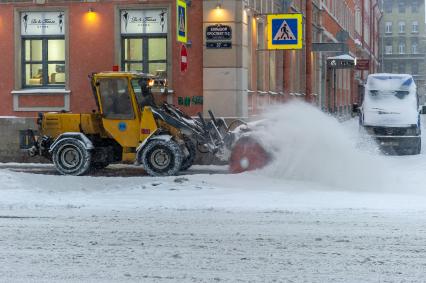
[{"x": 120, "y": 102}]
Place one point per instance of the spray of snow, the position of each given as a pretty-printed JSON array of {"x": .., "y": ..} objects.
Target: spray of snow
[{"x": 311, "y": 146}]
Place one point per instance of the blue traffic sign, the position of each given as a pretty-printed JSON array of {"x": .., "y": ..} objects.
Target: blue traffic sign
[{"x": 285, "y": 31}]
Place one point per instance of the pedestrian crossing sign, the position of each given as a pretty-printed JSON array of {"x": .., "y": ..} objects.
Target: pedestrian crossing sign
[
  {"x": 182, "y": 28},
  {"x": 285, "y": 31}
]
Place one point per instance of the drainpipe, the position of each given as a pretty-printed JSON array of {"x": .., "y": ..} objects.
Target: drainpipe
[
  {"x": 372, "y": 43},
  {"x": 308, "y": 89}
]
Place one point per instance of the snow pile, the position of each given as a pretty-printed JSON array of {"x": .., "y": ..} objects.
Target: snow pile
[{"x": 311, "y": 146}]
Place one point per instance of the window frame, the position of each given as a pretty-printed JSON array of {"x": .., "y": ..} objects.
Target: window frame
[
  {"x": 145, "y": 50},
  {"x": 388, "y": 27},
  {"x": 44, "y": 61},
  {"x": 415, "y": 27},
  {"x": 401, "y": 27},
  {"x": 401, "y": 6},
  {"x": 401, "y": 48},
  {"x": 414, "y": 6}
]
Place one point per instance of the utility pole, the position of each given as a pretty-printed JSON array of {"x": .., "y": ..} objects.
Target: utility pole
[{"x": 308, "y": 47}]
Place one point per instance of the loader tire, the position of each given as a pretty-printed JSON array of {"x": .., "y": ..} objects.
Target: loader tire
[
  {"x": 162, "y": 158},
  {"x": 71, "y": 157},
  {"x": 189, "y": 160}
]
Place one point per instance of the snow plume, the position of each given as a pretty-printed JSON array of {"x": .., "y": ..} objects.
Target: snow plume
[{"x": 312, "y": 146}]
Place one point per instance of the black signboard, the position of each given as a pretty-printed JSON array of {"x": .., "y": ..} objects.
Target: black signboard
[
  {"x": 218, "y": 44},
  {"x": 218, "y": 32},
  {"x": 340, "y": 64}
]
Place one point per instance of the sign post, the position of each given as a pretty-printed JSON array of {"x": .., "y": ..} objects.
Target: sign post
[{"x": 182, "y": 21}]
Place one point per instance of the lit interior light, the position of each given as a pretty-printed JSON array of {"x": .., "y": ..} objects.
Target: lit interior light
[{"x": 218, "y": 6}]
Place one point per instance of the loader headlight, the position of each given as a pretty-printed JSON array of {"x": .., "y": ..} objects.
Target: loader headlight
[{"x": 151, "y": 83}]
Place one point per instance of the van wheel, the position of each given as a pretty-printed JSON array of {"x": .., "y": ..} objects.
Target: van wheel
[
  {"x": 71, "y": 157},
  {"x": 162, "y": 158}
]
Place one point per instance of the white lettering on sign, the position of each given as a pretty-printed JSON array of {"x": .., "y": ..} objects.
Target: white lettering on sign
[
  {"x": 218, "y": 32},
  {"x": 143, "y": 21},
  {"x": 42, "y": 23}
]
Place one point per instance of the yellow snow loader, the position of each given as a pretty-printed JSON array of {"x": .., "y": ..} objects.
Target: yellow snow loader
[{"x": 128, "y": 126}]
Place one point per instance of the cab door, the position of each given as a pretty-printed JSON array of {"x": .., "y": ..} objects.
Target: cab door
[{"x": 119, "y": 114}]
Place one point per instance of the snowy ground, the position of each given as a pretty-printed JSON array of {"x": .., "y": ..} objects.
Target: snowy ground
[{"x": 324, "y": 211}]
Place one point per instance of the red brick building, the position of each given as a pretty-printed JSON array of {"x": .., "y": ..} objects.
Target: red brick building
[{"x": 49, "y": 47}]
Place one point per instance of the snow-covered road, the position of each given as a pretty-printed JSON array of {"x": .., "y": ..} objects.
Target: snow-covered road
[
  {"x": 324, "y": 211},
  {"x": 166, "y": 245}
]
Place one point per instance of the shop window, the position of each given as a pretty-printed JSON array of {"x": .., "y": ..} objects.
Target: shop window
[
  {"x": 144, "y": 46},
  {"x": 43, "y": 49},
  {"x": 43, "y": 62},
  {"x": 145, "y": 54}
]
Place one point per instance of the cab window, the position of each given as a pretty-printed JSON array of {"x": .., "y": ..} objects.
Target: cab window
[{"x": 115, "y": 98}]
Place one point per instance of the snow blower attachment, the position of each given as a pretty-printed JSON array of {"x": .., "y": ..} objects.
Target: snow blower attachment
[{"x": 129, "y": 127}]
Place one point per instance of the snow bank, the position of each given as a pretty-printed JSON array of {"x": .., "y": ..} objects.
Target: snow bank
[{"x": 312, "y": 146}]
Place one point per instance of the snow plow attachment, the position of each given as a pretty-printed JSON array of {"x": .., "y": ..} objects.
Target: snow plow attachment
[{"x": 248, "y": 154}]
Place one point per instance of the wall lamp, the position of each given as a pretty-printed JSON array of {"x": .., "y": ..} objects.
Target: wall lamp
[{"x": 218, "y": 5}]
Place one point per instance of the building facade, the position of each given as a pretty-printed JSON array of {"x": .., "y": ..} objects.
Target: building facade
[
  {"x": 403, "y": 40},
  {"x": 49, "y": 47}
]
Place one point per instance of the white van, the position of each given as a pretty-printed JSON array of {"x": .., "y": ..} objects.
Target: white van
[{"x": 390, "y": 113}]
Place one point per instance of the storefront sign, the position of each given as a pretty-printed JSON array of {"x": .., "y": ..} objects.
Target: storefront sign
[
  {"x": 182, "y": 21},
  {"x": 143, "y": 21},
  {"x": 219, "y": 44},
  {"x": 42, "y": 23},
  {"x": 362, "y": 64},
  {"x": 218, "y": 32}
]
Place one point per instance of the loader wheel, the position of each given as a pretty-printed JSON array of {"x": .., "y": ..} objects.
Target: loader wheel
[
  {"x": 189, "y": 160},
  {"x": 71, "y": 157},
  {"x": 162, "y": 158},
  {"x": 247, "y": 155}
]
